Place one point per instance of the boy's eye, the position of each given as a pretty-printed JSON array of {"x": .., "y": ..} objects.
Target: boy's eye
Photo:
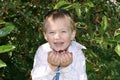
[
  {"x": 51, "y": 32},
  {"x": 64, "y": 31}
]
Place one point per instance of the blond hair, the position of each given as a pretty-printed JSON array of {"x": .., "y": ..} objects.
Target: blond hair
[{"x": 56, "y": 14}]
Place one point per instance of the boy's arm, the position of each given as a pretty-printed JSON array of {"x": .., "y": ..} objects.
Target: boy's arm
[
  {"x": 81, "y": 65},
  {"x": 41, "y": 69}
]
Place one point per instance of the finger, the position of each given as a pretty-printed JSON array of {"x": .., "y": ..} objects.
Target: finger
[
  {"x": 53, "y": 57},
  {"x": 56, "y": 57},
  {"x": 63, "y": 58},
  {"x": 69, "y": 54},
  {"x": 50, "y": 54},
  {"x": 67, "y": 57},
  {"x": 66, "y": 54}
]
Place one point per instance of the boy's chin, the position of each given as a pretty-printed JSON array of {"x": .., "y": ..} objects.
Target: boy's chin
[{"x": 59, "y": 50}]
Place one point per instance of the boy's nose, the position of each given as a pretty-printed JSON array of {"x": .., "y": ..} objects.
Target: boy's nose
[{"x": 57, "y": 36}]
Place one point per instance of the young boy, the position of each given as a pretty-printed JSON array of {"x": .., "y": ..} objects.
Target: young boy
[{"x": 61, "y": 58}]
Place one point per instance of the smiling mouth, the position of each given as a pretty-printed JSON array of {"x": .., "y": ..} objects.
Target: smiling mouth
[{"x": 58, "y": 44}]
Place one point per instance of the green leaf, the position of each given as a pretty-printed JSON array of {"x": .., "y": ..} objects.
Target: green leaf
[
  {"x": 104, "y": 24},
  {"x": 71, "y": 6},
  {"x": 68, "y": 7},
  {"x": 117, "y": 49},
  {"x": 60, "y": 3},
  {"x": 2, "y": 64},
  {"x": 77, "y": 9},
  {"x": 117, "y": 32},
  {"x": 78, "y": 12},
  {"x": 90, "y": 4},
  {"x": 75, "y": 6},
  {"x": 7, "y": 29},
  {"x": 2, "y": 22},
  {"x": 6, "y": 48}
]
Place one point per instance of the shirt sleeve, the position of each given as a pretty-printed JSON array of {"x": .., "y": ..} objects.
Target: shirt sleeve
[
  {"x": 80, "y": 65},
  {"x": 41, "y": 70}
]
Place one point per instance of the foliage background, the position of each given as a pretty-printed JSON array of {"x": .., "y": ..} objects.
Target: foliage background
[{"x": 98, "y": 28}]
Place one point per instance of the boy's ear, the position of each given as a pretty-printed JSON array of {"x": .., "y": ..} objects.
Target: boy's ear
[
  {"x": 45, "y": 36},
  {"x": 73, "y": 34}
]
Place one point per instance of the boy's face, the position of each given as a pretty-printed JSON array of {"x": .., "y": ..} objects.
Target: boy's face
[{"x": 59, "y": 33}]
